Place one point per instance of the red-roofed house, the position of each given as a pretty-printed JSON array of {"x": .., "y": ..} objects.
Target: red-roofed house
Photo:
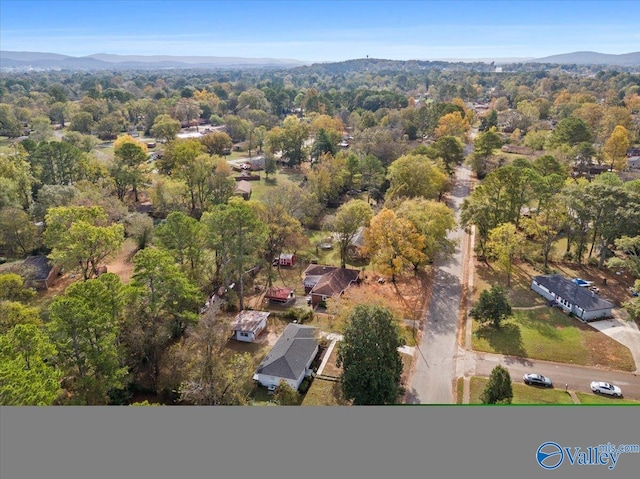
[
  {"x": 323, "y": 282},
  {"x": 279, "y": 295}
]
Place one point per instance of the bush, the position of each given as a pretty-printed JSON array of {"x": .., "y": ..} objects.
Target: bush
[
  {"x": 304, "y": 386},
  {"x": 298, "y": 314}
]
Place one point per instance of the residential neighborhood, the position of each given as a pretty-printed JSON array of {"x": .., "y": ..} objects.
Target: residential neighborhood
[{"x": 283, "y": 239}]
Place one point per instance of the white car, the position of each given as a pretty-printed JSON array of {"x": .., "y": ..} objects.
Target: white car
[{"x": 600, "y": 387}]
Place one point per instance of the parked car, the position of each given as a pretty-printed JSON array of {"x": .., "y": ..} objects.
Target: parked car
[
  {"x": 537, "y": 380},
  {"x": 601, "y": 387}
]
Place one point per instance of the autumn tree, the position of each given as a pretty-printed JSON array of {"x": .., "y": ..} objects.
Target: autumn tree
[
  {"x": 615, "y": 148},
  {"x": 369, "y": 357},
  {"x": 413, "y": 176},
  {"x": 493, "y": 306},
  {"x": 434, "y": 221},
  {"x": 296, "y": 201},
  {"x": 453, "y": 124},
  {"x": 327, "y": 178},
  {"x": 393, "y": 243}
]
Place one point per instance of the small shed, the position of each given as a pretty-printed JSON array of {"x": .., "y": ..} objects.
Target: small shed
[
  {"x": 287, "y": 259},
  {"x": 249, "y": 324},
  {"x": 243, "y": 188}
]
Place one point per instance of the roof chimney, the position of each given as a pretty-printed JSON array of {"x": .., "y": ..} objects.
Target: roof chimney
[{"x": 593, "y": 294}]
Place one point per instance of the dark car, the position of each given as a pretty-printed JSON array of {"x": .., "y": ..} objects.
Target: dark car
[{"x": 537, "y": 380}]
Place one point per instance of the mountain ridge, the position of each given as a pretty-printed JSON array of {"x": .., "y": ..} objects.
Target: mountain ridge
[{"x": 104, "y": 61}]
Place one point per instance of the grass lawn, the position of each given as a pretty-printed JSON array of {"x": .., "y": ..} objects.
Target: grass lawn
[
  {"x": 324, "y": 393},
  {"x": 551, "y": 335},
  {"x": 520, "y": 293},
  {"x": 259, "y": 188},
  {"x": 522, "y": 394},
  {"x": 586, "y": 398},
  {"x": 459, "y": 390}
]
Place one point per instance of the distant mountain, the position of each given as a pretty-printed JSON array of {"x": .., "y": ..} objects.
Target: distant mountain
[
  {"x": 592, "y": 58},
  {"x": 494, "y": 60},
  {"x": 194, "y": 60},
  {"x": 103, "y": 61},
  {"x": 31, "y": 56}
]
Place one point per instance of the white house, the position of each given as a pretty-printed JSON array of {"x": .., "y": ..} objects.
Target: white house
[
  {"x": 290, "y": 358},
  {"x": 249, "y": 324},
  {"x": 572, "y": 298}
]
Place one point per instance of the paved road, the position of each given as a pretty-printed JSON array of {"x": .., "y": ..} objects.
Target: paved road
[
  {"x": 577, "y": 378},
  {"x": 435, "y": 368}
]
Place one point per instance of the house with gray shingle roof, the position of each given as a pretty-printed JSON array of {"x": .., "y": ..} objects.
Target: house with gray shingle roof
[
  {"x": 572, "y": 298},
  {"x": 290, "y": 358}
]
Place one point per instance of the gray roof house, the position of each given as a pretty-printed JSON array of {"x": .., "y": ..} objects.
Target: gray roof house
[
  {"x": 290, "y": 358},
  {"x": 38, "y": 272},
  {"x": 572, "y": 298}
]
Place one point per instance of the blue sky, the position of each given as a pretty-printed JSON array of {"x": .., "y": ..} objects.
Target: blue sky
[{"x": 330, "y": 30}]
